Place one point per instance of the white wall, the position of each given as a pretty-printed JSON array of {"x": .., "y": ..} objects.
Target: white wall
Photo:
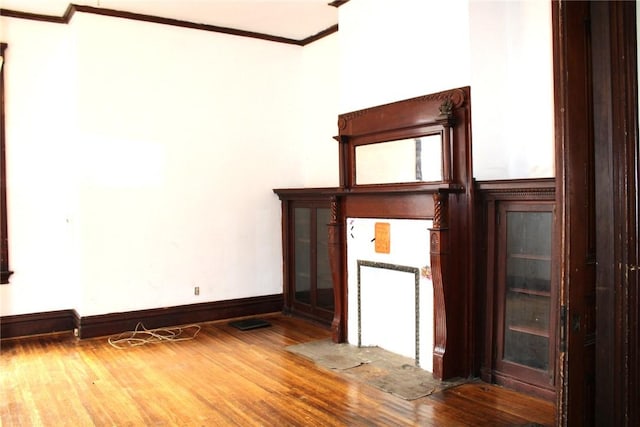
[
  {"x": 142, "y": 162},
  {"x": 183, "y": 147},
  {"x": 42, "y": 195},
  {"x": 141, "y": 157},
  {"x": 320, "y": 92},
  {"x": 391, "y": 51},
  {"x": 512, "y": 89}
]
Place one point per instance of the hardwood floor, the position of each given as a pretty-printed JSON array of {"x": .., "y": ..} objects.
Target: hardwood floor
[{"x": 224, "y": 377}]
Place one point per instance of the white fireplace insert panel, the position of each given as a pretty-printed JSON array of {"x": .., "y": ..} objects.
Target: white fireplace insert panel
[{"x": 390, "y": 293}]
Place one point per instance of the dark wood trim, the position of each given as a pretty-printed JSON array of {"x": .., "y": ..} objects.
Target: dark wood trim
[
  {"x": 290, "y": 194},
  {"x": 36, "y": 323},
  {"x": 320, "y": 35},
  {"x": 400, "y": 206},
  {"x": 523, "y": 387},
  {"x": 615, "y": 109},
  {"x": 337, "y": 258},
  {"x": 596, "y": 116},
  {"x": 113, "y": 323},
  {"x": 5, "y": 273},
  {"x": 338, "y": 3},
  {"x": 607, "y": 250},
  {"x": 64, "y": 19},
  {"x": 108, "y": 324},
  {"x": 519, "y": 189},
  {"x": 73, "y": 8},
  {"x": 573, "y": 133}
]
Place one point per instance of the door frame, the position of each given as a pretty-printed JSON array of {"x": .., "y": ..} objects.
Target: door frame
[{"x": 584, "y": 389}]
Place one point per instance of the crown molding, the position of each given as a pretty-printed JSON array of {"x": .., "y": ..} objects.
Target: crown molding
[{"x": 73, "y": 8}]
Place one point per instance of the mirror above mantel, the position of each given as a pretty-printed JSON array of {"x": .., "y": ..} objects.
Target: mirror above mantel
[
  {"x": 415, "y": 143},
  {"x": 417, "y": 159}
]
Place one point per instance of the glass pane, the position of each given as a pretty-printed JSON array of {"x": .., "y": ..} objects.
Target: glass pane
[
  {"x": 323, "y": 273},
  {"x": 407, "y": 160},
  {"x": 526, "y": 338},
  {"x": 528, "y": 286},
  {"x": 302, "y": 239}
]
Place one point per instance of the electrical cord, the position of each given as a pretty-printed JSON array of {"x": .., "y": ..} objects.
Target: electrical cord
[{"x": 142, "y": 336}]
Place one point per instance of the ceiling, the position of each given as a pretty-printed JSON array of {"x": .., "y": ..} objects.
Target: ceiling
[{"x": 293, "y": 19}]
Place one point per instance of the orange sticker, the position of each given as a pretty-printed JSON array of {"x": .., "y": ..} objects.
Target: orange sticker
[{"x": 383, "y": 237}]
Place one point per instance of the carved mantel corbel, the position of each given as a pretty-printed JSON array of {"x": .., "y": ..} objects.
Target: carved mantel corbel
[
  {"x": 335, "y": 243},
  {"x": 439, "y": 248}
]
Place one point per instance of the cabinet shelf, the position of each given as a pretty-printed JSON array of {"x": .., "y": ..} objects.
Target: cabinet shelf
[
  {"x": 531, "y": 257},
  {"x": 531, "y": 292},
  {"x": 539, "y": 332}
]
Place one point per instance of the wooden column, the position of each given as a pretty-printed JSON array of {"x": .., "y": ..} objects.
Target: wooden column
[
  {"x": 336, "y": 242},
  {"x": 439, "y": 242}
]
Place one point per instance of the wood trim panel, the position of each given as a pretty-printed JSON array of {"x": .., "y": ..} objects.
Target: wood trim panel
[
  {"x": 403, "y": 206},
  {"x": 5, "y": 273},
  {"x": 113, "y": 323},
  {"x": 517, "y": 189},
  {"x": 73, "y": 8},
  {"x": 524, "y": 387},
  {"x": 289, "y": 194},
  {"x": 36, "y": 323}
]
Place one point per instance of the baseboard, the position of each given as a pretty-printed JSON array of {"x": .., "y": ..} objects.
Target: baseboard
[
  {"x": 542, "y": 392},
  {"x": 36, "y": 323},
  {"x": 113, "y": 323}
]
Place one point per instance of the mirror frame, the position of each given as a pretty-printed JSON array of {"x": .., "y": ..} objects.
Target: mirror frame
[{"x": 444, "y": 112}]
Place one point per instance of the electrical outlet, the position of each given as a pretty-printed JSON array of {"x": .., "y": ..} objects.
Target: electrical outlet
[{"x": 196, "y": 290}]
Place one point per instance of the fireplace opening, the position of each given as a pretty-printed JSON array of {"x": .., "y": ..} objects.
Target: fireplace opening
[{"x": 391, "y": 293}]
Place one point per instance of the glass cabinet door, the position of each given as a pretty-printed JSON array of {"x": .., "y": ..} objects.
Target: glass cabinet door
[
  {"x": 528, "y": 288},
  {"x": 312, "y": 292},
  {"x": 324, "y": 283},
  {"x": 302, "y": 251},
  {"x": 525, "y": 345}
]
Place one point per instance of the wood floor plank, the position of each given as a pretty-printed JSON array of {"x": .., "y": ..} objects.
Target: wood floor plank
[{"x": 224, "y": 377}]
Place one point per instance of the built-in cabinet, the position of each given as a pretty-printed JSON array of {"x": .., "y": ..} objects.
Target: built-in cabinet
[
  {"x": 521, "y": 286},
  {"x": 524, "y": 290},
  {"x": 308, "y": 285}
]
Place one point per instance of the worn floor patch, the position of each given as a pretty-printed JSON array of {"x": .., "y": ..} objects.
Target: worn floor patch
[{"x": 380, "y": 368}]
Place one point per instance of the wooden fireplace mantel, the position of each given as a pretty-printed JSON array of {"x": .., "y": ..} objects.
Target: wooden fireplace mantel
[{"x": 448, "y": 202}]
